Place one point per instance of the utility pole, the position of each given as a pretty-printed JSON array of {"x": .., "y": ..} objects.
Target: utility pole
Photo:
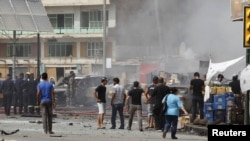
[
  {"x": 246, "y": 98},
  {"x": 14, "y": 55},
  {"x": 246, "y": 44},
  {"x": 38, "y": 55},
  {"x": 104, "y": 38}
]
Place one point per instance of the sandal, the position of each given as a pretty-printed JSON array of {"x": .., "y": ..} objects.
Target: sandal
[{"x": 101, "y": 128}]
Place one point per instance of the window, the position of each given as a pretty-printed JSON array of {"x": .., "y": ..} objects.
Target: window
[
  {"x": 22, "y": 50},
  {"x": 60, "y": 49},
  {"x": 95, "y": 49},
  {"x": 62, "y": 20},
  {"x": 92, "y": 19}
]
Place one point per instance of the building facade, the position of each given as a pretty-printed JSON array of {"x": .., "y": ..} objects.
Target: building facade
[
  {"x": 144, "y": 37},
  {"x": 75, "y": 44}
]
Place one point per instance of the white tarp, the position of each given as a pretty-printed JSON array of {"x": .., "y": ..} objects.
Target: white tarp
[
  {"x": 245, "y": 79},
  {"x": 215, "y": 68}
]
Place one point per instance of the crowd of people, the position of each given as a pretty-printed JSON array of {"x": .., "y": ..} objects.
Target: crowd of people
[
  {"x": 132, "y": 102},
  {"x": 28, "y": 95},
  {"x": 156, "y": 94}
]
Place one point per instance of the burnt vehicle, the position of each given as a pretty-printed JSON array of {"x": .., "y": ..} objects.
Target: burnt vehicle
[{"x": 84, "y": 89}]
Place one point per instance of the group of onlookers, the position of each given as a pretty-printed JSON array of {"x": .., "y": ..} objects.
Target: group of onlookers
[
  {"x": 132, "y": 102},
  {"x": 156, "y": 94}
]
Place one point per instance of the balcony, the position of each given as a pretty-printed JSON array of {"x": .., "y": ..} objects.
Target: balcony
[
  {"x": 47, "y": 3},
  {"x": 95, "y": 27},
  {"x": 82, "y": 30},
  {"x": 63, "y": 30}
]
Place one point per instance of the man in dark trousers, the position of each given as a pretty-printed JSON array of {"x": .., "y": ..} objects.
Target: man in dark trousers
[
  {"x": 18, "y": 101},
  {"x": 46, "y": 100},
  {"x": 32, "y": 94},
  {"x": 236, "y": 89},
  {"x": 135, "y": 94},
  {"x": 197, "y": 85},
  {"x": 159, "y": 92},
  {"x": 8, "y": 88},
  {"x": 25, "y": 92},
  {"x": 117, "y": 103}
]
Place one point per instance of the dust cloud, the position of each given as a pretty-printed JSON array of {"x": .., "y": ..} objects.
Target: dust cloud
[{"x": 179, "y": 33}]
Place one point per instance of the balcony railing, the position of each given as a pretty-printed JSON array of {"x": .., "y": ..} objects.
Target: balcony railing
[{"x": 62, "y": 30}]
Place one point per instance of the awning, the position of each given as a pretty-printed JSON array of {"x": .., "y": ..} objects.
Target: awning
[
  {"x": 24, "y": 15},
  {"x": 73, "y": 2}
]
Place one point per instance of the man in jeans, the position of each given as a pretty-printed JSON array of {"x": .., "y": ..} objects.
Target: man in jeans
[
  {"x": 117, "y": 103},
  {"x": 46, "y": 100}
]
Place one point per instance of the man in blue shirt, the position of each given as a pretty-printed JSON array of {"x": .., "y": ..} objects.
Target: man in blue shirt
[{"x": 46, "y": 100}]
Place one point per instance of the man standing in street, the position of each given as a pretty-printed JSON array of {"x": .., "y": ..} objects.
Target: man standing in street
[
  {"x": 136, "y": 93},
  {"x": 8, "y": 88},
  {"x": 151, "y": 103},
  {"x": 197, "y": 85},
  {"x": 32, "y": 84},
  {"x": 71, "y": 90},
  {"x": 100, "y": 96},
  {"x": 236, "y": 89},
  {"x": 159, "y": 92},
  {"x": 117, "y": 103},
  {"x": 46, "y": 100},
  {"x": 25, "y": 92},
  {"x": 18, "y": 101}
]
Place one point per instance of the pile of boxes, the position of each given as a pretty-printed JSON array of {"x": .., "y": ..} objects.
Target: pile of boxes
[{"x": 221, "y": 108}]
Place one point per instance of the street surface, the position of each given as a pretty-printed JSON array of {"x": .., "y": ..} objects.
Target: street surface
[{"x": 81, "y": 125}]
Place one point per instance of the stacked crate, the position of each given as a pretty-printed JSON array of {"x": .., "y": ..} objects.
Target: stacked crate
[
  {"x": 235, "y": 115},
  {"x": 208, "y": 112},
  {"x": 219, "y": 106}
]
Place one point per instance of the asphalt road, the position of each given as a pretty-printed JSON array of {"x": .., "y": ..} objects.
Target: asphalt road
[{"x": 76, "y": 126}]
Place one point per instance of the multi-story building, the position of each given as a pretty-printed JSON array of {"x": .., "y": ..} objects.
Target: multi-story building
[
  {"x": 141, "y": 39},
  {"x": 75, "y": 44}
]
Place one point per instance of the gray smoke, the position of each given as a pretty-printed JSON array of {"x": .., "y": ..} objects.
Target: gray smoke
[
  {"x": 179, "y": 33},
  {"x": 212, "y": 33}
]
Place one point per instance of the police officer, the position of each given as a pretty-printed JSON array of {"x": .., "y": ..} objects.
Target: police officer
[
  {"x": 25, "y": 92},
  {"x": 8, "y": 89},
  {"x": 32, "y": 83},
  {"x": 18, "y": 100}
]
